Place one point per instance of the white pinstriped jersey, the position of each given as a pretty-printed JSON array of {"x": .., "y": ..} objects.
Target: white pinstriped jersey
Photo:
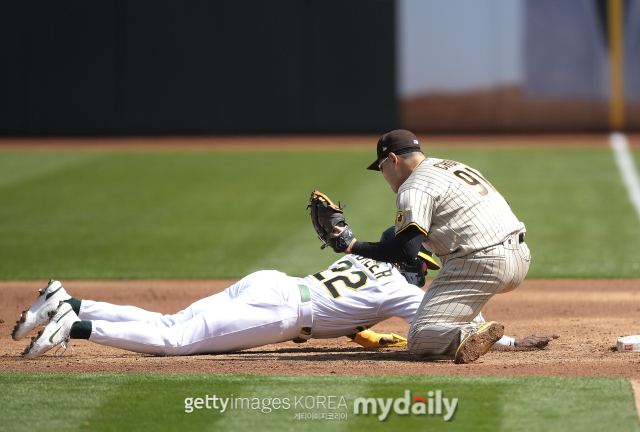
[
  {"x": 458, "y": 209},
  {"x": 359, "y": 292}
]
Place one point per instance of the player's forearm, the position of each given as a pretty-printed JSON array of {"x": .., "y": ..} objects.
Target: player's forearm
[
  {"x": 533, "y": 341},
  {"x": 404, "y": 247}
]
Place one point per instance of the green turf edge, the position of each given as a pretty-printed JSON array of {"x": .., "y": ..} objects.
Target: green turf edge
[
  {"x": 162, "y": 216},
  {"x": 105, "y": 402}
]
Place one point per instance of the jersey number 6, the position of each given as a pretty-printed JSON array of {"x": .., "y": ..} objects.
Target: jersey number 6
[{"x": 343, "y": 266}]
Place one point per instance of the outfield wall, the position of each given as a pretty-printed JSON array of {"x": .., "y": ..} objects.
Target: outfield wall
[
  {"x": 207, "y": 67},
  {"x": 147, "y": 67}
]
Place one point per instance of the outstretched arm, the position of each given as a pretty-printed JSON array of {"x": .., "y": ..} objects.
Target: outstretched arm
[
  {"x": 404, "y": 247},
  {"x": 535, "y": 341},
  {"x": 368, "y": 339}
]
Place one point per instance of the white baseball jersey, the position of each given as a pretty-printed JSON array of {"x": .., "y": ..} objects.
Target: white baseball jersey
[
  {"x": 265, "y": 307},
  {"x": 456, "y": 207},
  {"x": 359, "y": 292}
]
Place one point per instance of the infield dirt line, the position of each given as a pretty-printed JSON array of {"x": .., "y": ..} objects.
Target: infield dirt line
[{"x": 589, "y": 329}]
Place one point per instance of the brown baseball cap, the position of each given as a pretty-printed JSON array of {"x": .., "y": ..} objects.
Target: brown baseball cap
[{"x": 399, "y": 141}]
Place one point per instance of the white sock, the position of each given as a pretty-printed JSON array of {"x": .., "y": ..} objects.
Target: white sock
[{"x": 506, "y": 341}]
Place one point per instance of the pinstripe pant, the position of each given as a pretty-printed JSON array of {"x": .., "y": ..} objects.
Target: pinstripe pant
[{"x": 450, "y": 309}]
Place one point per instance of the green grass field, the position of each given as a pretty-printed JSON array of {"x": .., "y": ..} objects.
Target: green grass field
[
  {"x": 85, "y": 215},
  {"x": 77, "y": 215},
  {"x": 142, "y": 402}
]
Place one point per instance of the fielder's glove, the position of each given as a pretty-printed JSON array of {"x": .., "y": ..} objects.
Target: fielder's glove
[
  {"x": 371, "y": 339},
  {"x": 325, "y": 216}
]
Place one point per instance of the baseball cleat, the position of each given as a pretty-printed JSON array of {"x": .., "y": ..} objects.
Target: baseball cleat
[
  {"x": 38, "y": 314},
  {"x": 478, "y": 342},
  {"x": 55, "y": 333}
]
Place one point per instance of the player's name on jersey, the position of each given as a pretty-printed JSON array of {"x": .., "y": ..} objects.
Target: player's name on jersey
[
  {"x": 377, "y": 269},
  {"x": 446, "y": 164},
  {"x": 374, "y": 265}
]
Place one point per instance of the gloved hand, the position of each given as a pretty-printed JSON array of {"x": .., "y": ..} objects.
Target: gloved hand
[{"x": 371, "y": 339}]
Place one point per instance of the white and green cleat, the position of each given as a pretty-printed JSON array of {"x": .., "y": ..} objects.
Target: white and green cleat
[
  {"x": 55, "y": 333},
  {"x": 38, "y": 314}
]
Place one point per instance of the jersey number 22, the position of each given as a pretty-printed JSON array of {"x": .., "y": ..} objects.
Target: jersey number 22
[{"x": 353, "y": 279}]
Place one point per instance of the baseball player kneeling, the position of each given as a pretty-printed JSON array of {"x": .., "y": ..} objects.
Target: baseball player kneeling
[
  {"x": 266, "y": 307},
  {"x": 453, "y": 211}
]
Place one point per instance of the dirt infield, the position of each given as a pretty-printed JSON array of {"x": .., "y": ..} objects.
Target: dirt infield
[{"x": 589, "y": 314}]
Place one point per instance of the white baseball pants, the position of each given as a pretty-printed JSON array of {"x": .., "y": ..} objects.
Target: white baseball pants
[
  {"x": 450, "y": 309},
  {"x": 263, "y": 308}
]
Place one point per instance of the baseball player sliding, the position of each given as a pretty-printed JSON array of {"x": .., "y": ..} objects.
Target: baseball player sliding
[
  {"x": 452, "y": 211},
  {"x": 265, "y": 307}
]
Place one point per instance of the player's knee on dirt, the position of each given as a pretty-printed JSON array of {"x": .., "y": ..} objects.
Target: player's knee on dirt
[
  {"x": 431, "y": 340},
  {"x": 413, "y": 346},
  {"x": 423, "y": 346}
]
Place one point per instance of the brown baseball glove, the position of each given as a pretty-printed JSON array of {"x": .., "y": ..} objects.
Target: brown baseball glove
[{"x": 325, "y": 217}]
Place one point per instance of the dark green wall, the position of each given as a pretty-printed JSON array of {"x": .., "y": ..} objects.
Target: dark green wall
[{"x": 189, "y": 67}]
